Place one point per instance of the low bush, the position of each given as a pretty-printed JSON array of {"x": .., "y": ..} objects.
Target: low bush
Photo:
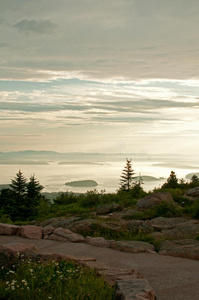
[{"x": 52, "y": 280}]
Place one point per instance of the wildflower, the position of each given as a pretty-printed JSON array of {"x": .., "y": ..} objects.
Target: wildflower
[{"x": 12, "y": 287}]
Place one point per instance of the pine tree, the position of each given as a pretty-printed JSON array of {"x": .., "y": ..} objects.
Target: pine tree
[
  {"x": 19, "y": 184},
  {"x": 126, "y": 176},
  {"x": 34, "y": 188},
  {"x": 172, "y": 181}
]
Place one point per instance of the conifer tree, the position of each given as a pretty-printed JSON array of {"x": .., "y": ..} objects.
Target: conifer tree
[
  {"x": 34, "y": 188},
  {"x": 18, "y": 184},
  {"x": 126, "y": 177}
]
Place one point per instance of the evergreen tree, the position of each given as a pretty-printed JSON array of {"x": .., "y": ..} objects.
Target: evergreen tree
[
  {"x": 34, "y": 188},
  {"x": 126, "y": 177},
  {"x": 172, "y": 181},
  {"x": 18, "y": 184}
]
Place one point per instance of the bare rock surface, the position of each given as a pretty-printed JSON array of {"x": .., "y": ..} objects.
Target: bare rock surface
[
  {"x": 21, "y": 248},
  {"x": 32, "y": 232},
  {"x": 9, "y": 229},
  {"x": 103, "y": 209},
  {"x": 68, "y": 235},
  {"x": 98, "y": 242},
  {"x": 192, "y": 193},
  {"x": 184, "y": 230},
  {"x": 182, "y": 248},
  {"x": 137, "y": 289},
  {"x": 160, "y": 223},
  {"x": 48, "y": 230},
  {"x": 132, "y": 246},
  {"x": 154, "y": 199}
]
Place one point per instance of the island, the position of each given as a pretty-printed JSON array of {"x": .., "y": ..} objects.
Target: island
[{"x": 82, "y": 183}]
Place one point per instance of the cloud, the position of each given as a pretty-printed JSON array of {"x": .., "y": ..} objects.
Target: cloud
[
  {"x": 129, "y": 40},
  {"x": 40, "y": 27}
]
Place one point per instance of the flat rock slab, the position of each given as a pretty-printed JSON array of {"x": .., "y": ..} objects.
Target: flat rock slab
[
  {"x": 64, "y": 235},
  {"x": 183, "y": 248},
  {"x": 9, "y": 229},
  {"x": 135, "y": 289},
  {"x": 21, "y": 248},
  {"x": 98, "y": 242},
  {"x": 166, "y": 223},
  {"x": 31, "y": 232},
  {"x": 132, "y": 246}
]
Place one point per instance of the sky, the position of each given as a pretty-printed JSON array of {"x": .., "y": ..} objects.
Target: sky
[{"x": 99, "y": 76}]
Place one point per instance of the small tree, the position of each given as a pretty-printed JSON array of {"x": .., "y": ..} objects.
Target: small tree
[
  {"x": 18, "y": 184},
  {"x": 34, "y": 188},
  {"x": 126, "y": 177},
  {"x": 172, "y": 181}
]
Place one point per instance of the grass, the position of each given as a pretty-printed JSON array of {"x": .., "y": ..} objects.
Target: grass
[{"x": 32, "y": 279}]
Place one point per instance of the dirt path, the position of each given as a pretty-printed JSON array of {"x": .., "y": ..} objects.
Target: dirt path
[{"x": 172, "y": 278}]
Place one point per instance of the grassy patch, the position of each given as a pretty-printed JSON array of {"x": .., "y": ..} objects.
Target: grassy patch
[{"x": 53, "y": 280}]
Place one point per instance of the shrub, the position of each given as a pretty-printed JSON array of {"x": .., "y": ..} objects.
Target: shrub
[{"x": 52, "y": 280}]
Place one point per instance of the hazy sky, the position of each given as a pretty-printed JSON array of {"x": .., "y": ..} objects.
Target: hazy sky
[{"x": 99, "y": 76}]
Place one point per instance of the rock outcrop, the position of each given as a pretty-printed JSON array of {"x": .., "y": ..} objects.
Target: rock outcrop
[
  {"x": 154, "y": 199},
  {"x": 193, "y": 193},
  {"x": 66, "y": 235},
  {"x": 182, "y": 248},
  {"x": 138, "y": 289},
  {"x": 31, "y": 232},
  {"x": 9, "y": 229}
]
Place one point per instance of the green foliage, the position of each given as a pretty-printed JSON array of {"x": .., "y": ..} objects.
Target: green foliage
[
  {"x": 22, "y": 200},
  {"x": 52, "y": 280},
  {"x": 193, "y": 209},
  {"x": 18, "y": 184},
  {"x": 172, "y": 181},
  {"x": 164, "y": 209},
  {"x": 65, "y": 199},
  {"x": 34, "y": 188}
]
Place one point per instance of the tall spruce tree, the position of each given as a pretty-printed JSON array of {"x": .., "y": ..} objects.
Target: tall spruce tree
[
  {"x": 127, "y": 176},
  {"x": 18, "y": 184},
  {"x": 172, "y": 181},
  {"x": 34, "y": 188}
]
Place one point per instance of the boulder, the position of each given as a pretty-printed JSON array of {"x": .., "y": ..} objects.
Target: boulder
[
  {"x": 21, "y": 248},
  {"x": 9, "y": 229},
  {"x": 81, "y": 225},
  {"x": 135, "y": 289},
  {"x": 68, "y": 235},
  {"x": 132, "y": 246},
  {"x": 98, "y": 242},
  {"x": 182, "y": 248},
  {"x": 116, "y": 207},
  {"x": 161, "y": 223},
  {"x": 9, "y": 253},
  {"x": 154, "y": 199},
  {"x": 103, "y": 209},
  {"x": 32, "y": 232},
  {"x": 59, "y": 222},
  {"x": 192, "y": 193},
  {"x": 185, "y": 230},
  {"x": 47, "y": 230},
  {"x": 111, "y": 275}
]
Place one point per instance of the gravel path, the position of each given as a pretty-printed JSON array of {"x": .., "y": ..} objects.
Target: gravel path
[{"x": 172, "y": 278}]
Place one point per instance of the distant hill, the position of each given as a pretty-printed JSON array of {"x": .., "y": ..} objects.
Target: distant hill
[
  {"x": 188, "y": 176},
  {"x": 82, "y": 183},
  {"x": 4, "y": 186},
  {"x": 146, "y": 178}
]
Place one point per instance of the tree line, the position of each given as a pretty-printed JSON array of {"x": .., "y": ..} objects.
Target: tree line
[{"x": 21, "y": 200}]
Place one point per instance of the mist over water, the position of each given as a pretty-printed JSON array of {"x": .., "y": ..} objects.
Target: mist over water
[{"x": 54, "y": 170}]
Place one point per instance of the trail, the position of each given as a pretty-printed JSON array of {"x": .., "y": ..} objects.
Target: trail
[{"x": 172, "y": 278}]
